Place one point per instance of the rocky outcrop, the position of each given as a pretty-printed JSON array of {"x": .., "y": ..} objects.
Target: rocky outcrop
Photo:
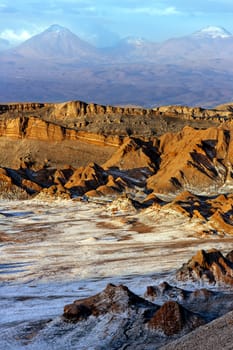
[
  {"x": 134, "y": 154},
  {"x": 209, "y": 267},
  {"x": 166, "y": 292},
  {"x": 86, "y": 179},
  {"x": 75, "y": 109},
  {"x": 113, "y": 299},
  {"x": 191, "y": 160},
  {"x": 25, "y": 182},
  {"x": 130, "y": 319},
  {"x": 196, "y": 113},
  {"x": 9, "y": 190},
  {"x": 21, "y": 107},
  {"x": 178, "y": 165},
  {"x": 215, "y": 212},
  {"x": 54, "y": 192},
  {"x": 196, "y": 160},
  {"x": 206, "y": 303},
  {"x": 134, "y": 321},
  {"x": 67, "y": 182},
  {"x": 172, "y": 319},
  {"x": 34, "y": 128}
]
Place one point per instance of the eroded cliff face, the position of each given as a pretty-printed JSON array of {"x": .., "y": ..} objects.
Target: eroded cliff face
[
  {"x": 195, "y": 160},
  {"x": 33, "y": 128},
  {"x": 103, "y": 120}
]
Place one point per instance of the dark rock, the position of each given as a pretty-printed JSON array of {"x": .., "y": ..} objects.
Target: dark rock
[
  {"x": 166, "y": 291},
  {"x": 229, "y": 256},
  {"x": 119, "y": 318},
  {"x": 76, "y": 312},
  {"x": 172, "y": 319},
  {"x": 113, "y": 299}
]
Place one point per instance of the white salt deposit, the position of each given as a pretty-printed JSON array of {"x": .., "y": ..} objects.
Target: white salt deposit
[{"x": 61, "y": 251}]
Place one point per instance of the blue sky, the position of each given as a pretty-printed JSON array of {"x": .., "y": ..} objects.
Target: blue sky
[{"x": 105, "y": 21}]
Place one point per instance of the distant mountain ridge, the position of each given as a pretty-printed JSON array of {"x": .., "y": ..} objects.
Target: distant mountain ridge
[
  {"x": 212, "y": 32},
  {"x": 194, "y": 70},
  {"x": 209, "y": 32},
  {"x": 60, "y": 43},
  {"x": 56, "y": 41}
]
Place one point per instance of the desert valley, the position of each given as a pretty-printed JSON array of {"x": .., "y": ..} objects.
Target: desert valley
[
  {"x": 116, "y": 189},
  {"x": 116, "y": 226}
]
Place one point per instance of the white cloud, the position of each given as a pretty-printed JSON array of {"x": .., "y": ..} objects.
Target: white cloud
[
  {"x": 15, "y": 37},
  {"x": 168, "y": 11}
]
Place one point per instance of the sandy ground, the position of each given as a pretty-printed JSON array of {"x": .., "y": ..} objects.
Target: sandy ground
[{"x": 56, "y": 154}]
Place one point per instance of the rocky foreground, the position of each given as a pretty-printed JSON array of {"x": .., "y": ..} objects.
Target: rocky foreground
[
  {"x": 165, "y": 313},
  {"x": 192, "y": 310}
]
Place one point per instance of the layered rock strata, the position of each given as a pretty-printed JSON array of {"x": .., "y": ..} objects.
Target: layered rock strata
[
  {"x": 120, "y": 121},
  {"x": 33, "y": 128}
]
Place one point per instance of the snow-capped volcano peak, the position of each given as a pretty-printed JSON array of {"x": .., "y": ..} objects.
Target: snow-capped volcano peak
[{"x": 213, "y": 32}]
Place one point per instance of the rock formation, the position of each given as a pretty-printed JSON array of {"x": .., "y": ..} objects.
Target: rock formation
[
  {"x": 180, "y": 311},
  {"x": 86, "y": 178},
  {"x": 113, "y": 299},
  {"x": 117, "y": 150},
  {"x": 172, "y": 319},
  {"x": 196, "y": 160},
  {"x": 206, "y": 303},
  {"x": 167, "y": 292},
  {"x": 130, "y": 319},
  {"x": 134, "y": 154},
  {"x": 216, "y": 212},
  {"x": 207, "y": 267}
]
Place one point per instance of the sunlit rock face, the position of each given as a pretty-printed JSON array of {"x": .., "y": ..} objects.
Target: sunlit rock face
[
  {"x": 117, "y": 150},
  {"x": 196, "y": 160},
  {"x": 209, "y": 267}
]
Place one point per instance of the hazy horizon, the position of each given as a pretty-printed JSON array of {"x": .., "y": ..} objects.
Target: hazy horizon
[{"x": 105, "y": 22}]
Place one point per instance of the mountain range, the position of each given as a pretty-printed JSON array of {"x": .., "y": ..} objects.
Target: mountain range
[{"x": 57, "y": 65}]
